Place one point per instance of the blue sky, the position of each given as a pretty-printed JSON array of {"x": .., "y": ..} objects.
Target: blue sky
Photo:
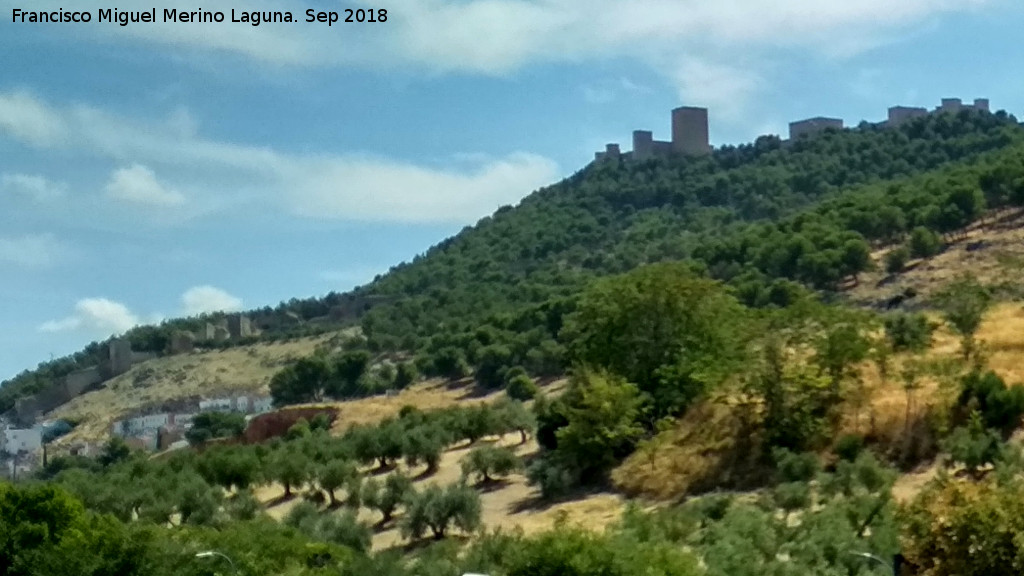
[{"x": 156, "y": 170}]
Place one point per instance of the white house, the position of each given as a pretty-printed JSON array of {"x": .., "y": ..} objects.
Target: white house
[
  {"x": 261, "y": 405},
  {"x": 16, "y": 441},
  {"x": 217, "y": 405}
]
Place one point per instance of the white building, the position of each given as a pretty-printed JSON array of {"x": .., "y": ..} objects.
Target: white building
[
  {"x": 261, "y": 405},
  {"x": 16, "y": 441},
  {"x": 217, "y": 405}
]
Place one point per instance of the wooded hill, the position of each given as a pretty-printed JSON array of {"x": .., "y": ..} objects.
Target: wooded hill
[{"x": 765, "y": 217}]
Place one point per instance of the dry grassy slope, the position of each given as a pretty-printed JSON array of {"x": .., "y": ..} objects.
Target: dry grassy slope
[
  {"x": 243, "y": 369},
  {"x": 694, "y": 448},
  {"x": 999, "y": 259}
]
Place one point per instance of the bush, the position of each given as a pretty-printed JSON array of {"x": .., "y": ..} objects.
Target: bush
[
  {"x": 965, "y": 529},
  {"x": 554, "y": 478},
  {"x": 896, "y": 259},
  {"x": 849, "y": 447},
  {"x": 794, "y": 467},
  {"x": 521, "y": 388},
  {"x": 908, "y": 331},
  {"x": 974, "y": 446},
  {"x": 405, "y": 375},
  {"x": 924, "y": 243},
  {"x": 344, "y": 529},
  {"x": 1000, "y": 407},
  {"x": 494, "y": 361},
  {"x": 490, "y": 461}
]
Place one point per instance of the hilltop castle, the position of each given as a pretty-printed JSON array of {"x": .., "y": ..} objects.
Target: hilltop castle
[{"x": 690, "y": 130}]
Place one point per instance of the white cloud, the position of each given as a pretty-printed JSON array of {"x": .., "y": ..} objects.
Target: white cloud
[
  {"x": 103, "y": 316},
  {"x": 499, "y": 37},
  {"x": 28, "y": 120},
  {"x": 37, "y": 187},
  {"x": 31, "y": 251},
  {"x": 95, "y": 315},
  {"x": 203, "y": 299},
  {"x": 372, "y": 189},
  {"x": 354, "y": 187},
  {"x": 724, "y": 88},
  {"x": 137, "y": 184}
]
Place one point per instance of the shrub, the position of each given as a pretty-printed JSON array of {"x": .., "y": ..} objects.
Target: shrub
[
  {"x": 794, "y": 467},
  {"x": 924, "y": 243},
  {"x": 553, "y": 477},
  {"x": 908, "y": 331},
  {"x": 896, "y": 259},
  {"x": 849, "y": 447},
  {"x": 490, "y": 461},
  {"x": 405, "y": 375},
  {"x": 521, "y": 388},
  {"x": 974, "y": 446},
  {"x": 1000, "y": 407}
]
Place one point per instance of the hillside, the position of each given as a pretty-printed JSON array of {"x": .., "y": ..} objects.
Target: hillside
[
  {"x": 753, "y": 215},
  {"x": 727, "y": 411}
]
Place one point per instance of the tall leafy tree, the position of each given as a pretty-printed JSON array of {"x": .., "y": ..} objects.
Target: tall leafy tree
[{"x": 662, "y": 327}]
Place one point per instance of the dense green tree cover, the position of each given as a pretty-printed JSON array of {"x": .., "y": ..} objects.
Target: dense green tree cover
[
  {"x": 209, "y": 425},
  {"x": 671, "y": 333},
  {"x": 516, "y": 271}
]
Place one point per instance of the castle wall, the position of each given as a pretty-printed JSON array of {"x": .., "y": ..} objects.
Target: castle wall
[
  {"x": 813, "y": 126},
  {"x": 900, "y": 114}
]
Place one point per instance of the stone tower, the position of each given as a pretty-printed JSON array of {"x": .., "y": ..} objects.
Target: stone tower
[{"x": 690, "y": 130}]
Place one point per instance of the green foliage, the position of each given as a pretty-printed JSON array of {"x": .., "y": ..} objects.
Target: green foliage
[
  {"x": 908, "y": 331},
  {"x": 490, "y": 462},
  {"x": 849, "y": 447},
  {"x": 299, "y": 430},
  {"x": 896, "y": 259},
  {"x": 307, "y": 380},
  {"x": 963, "y": 303},
  {"x": 924, "y": 243},
  {"x": 672, "y": 333},
  {"x": 114, "y": 451},
  {"x": 999, "y": 407},
  {"x": 437, "y": 509},
  {"x": 493, "y": 363},
  {"x": 292, "y": 469},
  {"x": 796, "y": 400},
  {"x": 333, "y": 475},
  {"x": 521, "y": 388},
  {"x": 601, "y": 412},
  {"x": 405, "y": 375},
  {"x": 794, "y": 467},
  {"x": 386, "y": 498},
  {"x": 567, "y": 551},
  {"x": 965, "y": 529},
  {"x": 973, "y": 445},
  {"x": 209, "y": 425}
]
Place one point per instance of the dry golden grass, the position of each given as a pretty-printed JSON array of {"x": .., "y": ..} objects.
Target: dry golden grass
[
  {"x": 701, "y": 447},
  {"x": 1000, "y": 260}
]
